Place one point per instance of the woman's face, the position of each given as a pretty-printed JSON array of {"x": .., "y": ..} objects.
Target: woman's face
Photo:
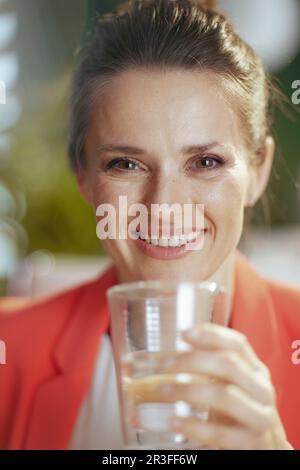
[{"x": 164, "y": 114}]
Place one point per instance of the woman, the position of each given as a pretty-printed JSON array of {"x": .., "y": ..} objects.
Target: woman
[{"x": 169, "y": 105}]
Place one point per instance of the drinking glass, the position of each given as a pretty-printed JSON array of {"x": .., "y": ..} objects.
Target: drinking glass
[{"x": 147, "y": 319}]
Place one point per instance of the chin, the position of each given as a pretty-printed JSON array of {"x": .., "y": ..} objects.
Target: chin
[{"x": 169, "y": 271}]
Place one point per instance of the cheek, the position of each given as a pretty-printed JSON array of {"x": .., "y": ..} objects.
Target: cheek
[
  {"x": 108, "y": 191},
  {"x": 224, "y": 205},
  {"x": 119, "y": 195}
]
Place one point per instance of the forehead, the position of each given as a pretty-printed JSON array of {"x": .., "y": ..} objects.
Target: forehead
[{"x": 139, "y": 106}]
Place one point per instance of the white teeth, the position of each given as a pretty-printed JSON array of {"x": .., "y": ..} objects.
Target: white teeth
[
  {"x": 163, "y": 241},
  {"x": 191, "y": 237},
  {"x": 153, "y": 241},
  {"x": 182, "y": 240},
  {"x": 171, "y": 241}
]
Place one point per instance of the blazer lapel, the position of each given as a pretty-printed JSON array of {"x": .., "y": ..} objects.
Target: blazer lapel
[{"x": 57, "y": 401}]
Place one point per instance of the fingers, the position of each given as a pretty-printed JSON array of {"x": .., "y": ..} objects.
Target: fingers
[
  {"x": 212, "y": 336},
  {"x": 235, "y": 384},
  {"x": 217, "y": 436},
  {"x": 226, "y": 399},
  {"x": 225, "y": 366}
]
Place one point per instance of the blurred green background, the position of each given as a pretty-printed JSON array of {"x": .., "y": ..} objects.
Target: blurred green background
[{"x": 41, "y": 208}]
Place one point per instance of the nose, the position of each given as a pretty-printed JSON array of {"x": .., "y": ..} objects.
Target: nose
[
  {"x": 171, "y": 209},
  {"x": 167, "y": 190}
]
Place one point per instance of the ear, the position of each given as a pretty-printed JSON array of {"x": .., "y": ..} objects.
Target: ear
[
  {"x": 83, "y": 184},
  {"x": 260, "y": 173}
]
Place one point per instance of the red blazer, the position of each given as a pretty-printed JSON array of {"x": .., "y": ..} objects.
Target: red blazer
[{"x": 51, "y": 347}]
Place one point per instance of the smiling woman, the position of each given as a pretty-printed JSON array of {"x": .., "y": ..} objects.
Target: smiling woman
[
  {"x": 176, "y": 115},
  {"x": 169, "y": 106}
]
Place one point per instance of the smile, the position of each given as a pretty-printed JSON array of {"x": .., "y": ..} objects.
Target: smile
[
  {"x": 171, "y": 241},
  {"x": 167, "y": 248}
]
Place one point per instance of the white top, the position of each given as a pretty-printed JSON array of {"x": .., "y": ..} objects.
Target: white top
[{"x": 98, "y": 424}]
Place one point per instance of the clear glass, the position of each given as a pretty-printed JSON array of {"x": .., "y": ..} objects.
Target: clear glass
[{"x": 147, "y": 319}]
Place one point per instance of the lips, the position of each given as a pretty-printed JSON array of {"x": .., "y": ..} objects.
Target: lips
[
  {"x": 168, "y": 252},
  {"x": 173, "y": 241}
]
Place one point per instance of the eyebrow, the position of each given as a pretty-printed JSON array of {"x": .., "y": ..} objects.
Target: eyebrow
[{"x": 188, "y": 149}]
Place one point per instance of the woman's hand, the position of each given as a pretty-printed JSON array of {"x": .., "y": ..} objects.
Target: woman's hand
[{"x": 241, "y": 392}]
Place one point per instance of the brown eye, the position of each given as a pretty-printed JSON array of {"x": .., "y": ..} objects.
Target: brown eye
[
  {"x": 124, "y": 164},
  {"x": 208, "y": 162}
]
